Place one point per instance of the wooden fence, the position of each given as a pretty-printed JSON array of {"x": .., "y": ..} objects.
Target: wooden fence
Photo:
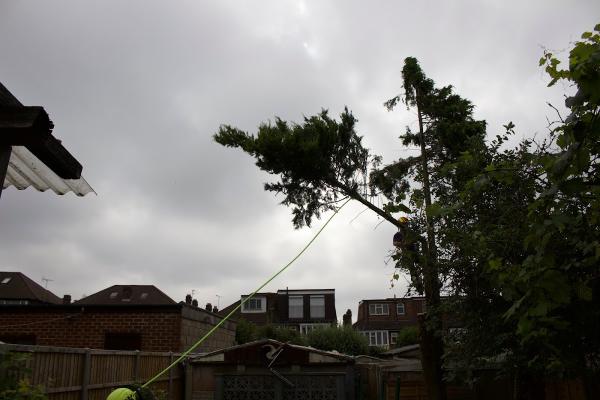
[
  {"x": 376, "y": 382},
  {"x": 85, "y": 374}
]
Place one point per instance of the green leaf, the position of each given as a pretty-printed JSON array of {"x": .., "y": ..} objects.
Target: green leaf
[{"x": 433, "y": 210}]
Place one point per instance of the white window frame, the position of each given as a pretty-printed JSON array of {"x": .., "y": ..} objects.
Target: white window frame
[
  {"x": 393, "y": 337},
  {"x": 398, "y": 306},
  {"x": 14, "y": 302},
  {"x": 317, "y": 310},
  {"x": 379, "y": 309},
  {"x": 377, "y": 338},
  {"x": 298, "y": 308},
  {"x": 305, "y": 329},
  {"x": 255, "y": 305}
]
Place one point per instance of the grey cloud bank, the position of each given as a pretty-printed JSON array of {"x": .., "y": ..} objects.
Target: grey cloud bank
[{"x": 136, "y": 90}]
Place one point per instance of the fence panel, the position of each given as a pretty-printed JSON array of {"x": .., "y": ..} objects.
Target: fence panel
[{"x": 85, "y": 374}]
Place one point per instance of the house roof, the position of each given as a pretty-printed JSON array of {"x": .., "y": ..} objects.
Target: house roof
[
  {"x": 18, "y": 286},
  {"x": 393, "y": 299},
  {"x": 128, "y": 295}
]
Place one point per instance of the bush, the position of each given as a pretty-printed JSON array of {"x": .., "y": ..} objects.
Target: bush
[
  {"x": 14, "y": 379},
  {"x": 342, "y": 339},
  {"x": 407, "y": 336},
  {"x": 245, "y": 331},
  {"x": 280, "y": 334}
]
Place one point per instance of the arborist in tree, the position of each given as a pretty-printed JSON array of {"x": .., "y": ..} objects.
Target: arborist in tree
[{"x": 405, "y": 241}]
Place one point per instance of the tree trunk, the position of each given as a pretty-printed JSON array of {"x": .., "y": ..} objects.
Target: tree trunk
[{"x": 431, "y": 341}]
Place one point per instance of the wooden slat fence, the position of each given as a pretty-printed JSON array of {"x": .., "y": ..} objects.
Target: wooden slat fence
[{"x": 86, "y": 374}]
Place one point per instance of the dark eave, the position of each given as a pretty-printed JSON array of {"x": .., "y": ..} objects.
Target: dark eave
[{"x": 31, "y": 127}]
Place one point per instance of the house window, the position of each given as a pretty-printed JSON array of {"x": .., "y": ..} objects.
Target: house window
[
  {"x": 18, "y": 339},
  {"x": 255, "y": 305},
  {"x": 377, "y": 338},
  {"x": 379, "y": 309},
  {"x": 6, "y": 280},
  {"x": 317, "y": 306},
  {"x": 14, "y": 302},
  {"x": 296, "y": 309},
  {"x": 400, "y": 309},
  {"x": 306, "y": 328},
  {"x": 393, "y": 337}
]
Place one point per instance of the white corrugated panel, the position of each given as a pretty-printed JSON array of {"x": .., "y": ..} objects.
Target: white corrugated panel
[{"x": 25, "y": 169}]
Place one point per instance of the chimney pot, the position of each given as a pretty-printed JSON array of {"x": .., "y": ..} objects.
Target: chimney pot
[{"x": 67, "y": 299}]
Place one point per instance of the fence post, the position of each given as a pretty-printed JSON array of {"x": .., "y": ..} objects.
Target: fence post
[
  {"x": 187, "y": 383},
  {"x": 87, "y": 365},
  {"x": 169, "y": 393},
  {"x": 136, "y": 366}
]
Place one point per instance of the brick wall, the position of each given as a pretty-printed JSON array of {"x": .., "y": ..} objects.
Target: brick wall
[
  {"x": 162, "y": 328},
  {"x": 196, "y": 322}
]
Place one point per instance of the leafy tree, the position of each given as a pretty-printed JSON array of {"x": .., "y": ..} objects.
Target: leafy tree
[{"x": 526, "y": 255}]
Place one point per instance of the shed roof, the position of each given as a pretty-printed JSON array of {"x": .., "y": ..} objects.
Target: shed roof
[
  {"x": 18, "y": 286},
  {"x": 36, "y": 158},
  {"x": 269, "y": 346}
]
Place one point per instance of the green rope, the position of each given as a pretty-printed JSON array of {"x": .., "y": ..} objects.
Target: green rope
[{"x": 243, "y": 301}]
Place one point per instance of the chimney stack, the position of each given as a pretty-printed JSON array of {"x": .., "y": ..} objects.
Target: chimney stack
[
  {"x": 195, "y": 303},
  {"x": 347, "y": 318},
  {"x": 67, "y": 299},
  {"x": 188, "y": 299},
  {"x": 209, "y": 307}
]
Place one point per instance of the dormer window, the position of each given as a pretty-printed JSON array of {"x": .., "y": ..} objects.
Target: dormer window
[
  {"x": 255, "y": 305},
  {"x": 379, "y": 309}
]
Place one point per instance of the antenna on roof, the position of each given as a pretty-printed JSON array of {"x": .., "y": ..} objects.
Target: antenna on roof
[
  {"x": 218, "y": 296},
  {"x": 46, "y": 280}
]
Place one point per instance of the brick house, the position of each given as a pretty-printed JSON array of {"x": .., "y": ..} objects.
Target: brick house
[
  {"x": 380, "y": 320},
  {"x": 300, "y": 309},
  {"x": 121, "y": 317}
]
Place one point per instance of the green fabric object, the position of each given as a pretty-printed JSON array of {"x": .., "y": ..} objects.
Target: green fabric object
[{"x": 122, "y": 394}]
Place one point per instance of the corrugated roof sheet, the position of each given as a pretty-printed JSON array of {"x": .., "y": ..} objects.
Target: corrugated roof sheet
[{"x": 25, "y": 169}]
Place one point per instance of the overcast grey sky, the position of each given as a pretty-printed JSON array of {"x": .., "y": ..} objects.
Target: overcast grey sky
[{"x": 137, "y": 88}]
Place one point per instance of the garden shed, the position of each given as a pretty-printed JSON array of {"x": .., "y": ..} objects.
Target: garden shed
[{"x": 268, "y": 369}]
